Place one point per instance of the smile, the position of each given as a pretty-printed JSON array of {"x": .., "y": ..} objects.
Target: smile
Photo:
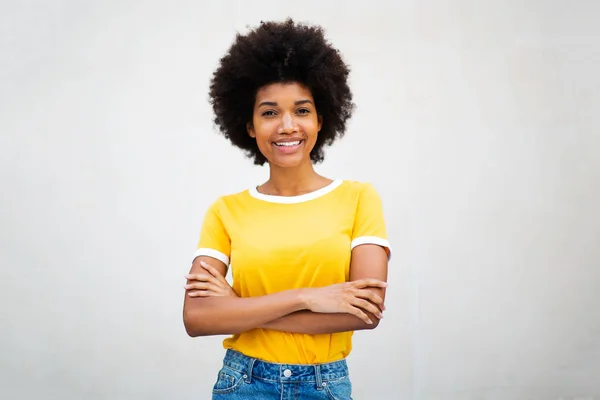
[
  {"x": 288, "y": 144},
  {"x": 288, "y": 147}
]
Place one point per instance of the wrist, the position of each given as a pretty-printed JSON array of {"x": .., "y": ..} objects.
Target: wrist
[{"x": 304, "y": 298}]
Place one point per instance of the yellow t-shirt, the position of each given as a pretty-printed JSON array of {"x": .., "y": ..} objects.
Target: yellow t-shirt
[{"x": 276, "y": 243}]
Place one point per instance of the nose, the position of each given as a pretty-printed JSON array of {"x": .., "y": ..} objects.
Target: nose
[{"x": 287, "y": 124}]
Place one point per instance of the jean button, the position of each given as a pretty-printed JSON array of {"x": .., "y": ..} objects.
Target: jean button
[{"x": 287, "y": 373}]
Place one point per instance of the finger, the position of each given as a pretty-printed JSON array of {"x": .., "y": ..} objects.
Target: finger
[
  {"x": 203, "y": 278},
  {"x": 369, "y": 295},
  {"x": 201, "y": 286},
  {"x": 360, "y": 314},
  {"x": 367, "y": 306},
  {"x": 214, "y": 272},
  {"x": 362, "y": 283},
  {"x": 201, "y": 293},
  {"x": 207, "y": 293},
  {"x": 198, "y": 277}
]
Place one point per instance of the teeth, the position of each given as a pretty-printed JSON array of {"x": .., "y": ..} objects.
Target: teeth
[{"x": 288, "y": 144}]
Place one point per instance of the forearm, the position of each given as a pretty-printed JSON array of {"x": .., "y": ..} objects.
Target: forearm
[
  {"x": 230, "y": 315},
  {"x": 312, "y": 323},
  {"x": 315, "y": 323}
]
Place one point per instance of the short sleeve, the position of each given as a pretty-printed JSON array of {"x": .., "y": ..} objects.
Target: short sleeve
[
  {"x": 369, "y": 224},
  {"x": 214, "y": 241}
]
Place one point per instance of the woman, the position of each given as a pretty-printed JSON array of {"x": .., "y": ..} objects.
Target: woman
[{"x": 308, "y": 254}]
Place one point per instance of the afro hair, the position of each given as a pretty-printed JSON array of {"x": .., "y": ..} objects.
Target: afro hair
[{"x": 280, "y": 52}]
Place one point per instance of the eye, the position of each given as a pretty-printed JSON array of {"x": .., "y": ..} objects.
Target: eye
[
  {"x": 303, "y": 111},
  {"x": 268, "y": 113}
]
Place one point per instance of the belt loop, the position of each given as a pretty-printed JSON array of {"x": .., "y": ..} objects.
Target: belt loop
[
  {"x": 250, "y": 367},
  {"x": 319, "y": 381}
]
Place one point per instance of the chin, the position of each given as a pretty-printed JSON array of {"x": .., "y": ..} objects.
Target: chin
[{"x": 289, "y": 162}]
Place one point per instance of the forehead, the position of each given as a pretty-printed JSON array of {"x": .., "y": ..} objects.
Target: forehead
[{"x": 279, "y": 92}]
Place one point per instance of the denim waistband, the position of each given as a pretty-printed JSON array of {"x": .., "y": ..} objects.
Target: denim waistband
[{"x": 255, "y": 368}]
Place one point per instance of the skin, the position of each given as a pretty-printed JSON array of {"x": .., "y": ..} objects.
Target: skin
[{"x": 286, "y": 112}]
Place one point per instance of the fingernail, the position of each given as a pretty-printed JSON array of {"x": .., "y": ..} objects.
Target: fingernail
[
  {"x": 370, "y": 322},
  {"x": 203, "y": 263},
  {"x": 385, "y": 284}
]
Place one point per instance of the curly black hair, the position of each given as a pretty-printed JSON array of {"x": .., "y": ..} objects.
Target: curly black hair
[{"x": 280, "y": 52}]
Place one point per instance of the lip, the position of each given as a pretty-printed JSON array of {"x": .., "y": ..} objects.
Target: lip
[
  {"x": 288, "y": 149},
  {"x": 289, "y": 139}
]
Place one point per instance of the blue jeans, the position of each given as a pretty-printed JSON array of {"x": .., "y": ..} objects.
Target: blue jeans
[{"x": 246, "y": 378}]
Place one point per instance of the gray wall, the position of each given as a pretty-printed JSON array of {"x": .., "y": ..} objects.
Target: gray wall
[{"x": 478, "y": 124}]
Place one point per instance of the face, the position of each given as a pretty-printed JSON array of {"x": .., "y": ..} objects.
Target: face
[{"x": 285, "y": 124}]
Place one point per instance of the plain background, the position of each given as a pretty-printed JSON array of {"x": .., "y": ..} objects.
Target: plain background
[{"x": 477, "y": 121}]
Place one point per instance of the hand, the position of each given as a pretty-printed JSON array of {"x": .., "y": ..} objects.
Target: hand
[
  {"x": 348, "y": 297},
  {"x": 209, "y": 284}
]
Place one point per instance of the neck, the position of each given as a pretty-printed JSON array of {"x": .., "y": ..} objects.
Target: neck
[{"x": 293, "y": 181}]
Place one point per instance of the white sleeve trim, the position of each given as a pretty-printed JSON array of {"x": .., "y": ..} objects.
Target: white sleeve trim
[
  {"x": 372, "y": 240},
  {"x": 204, "y": 251}
]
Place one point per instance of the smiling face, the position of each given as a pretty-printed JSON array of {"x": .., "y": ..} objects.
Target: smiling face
[{"x": 285, "y": 124}]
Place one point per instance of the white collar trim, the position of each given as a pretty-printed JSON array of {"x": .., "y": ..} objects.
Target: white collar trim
[{"x": 295, "y": 199}]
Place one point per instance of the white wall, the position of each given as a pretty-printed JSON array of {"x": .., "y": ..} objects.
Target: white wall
[{"x": 478, "y": 123}]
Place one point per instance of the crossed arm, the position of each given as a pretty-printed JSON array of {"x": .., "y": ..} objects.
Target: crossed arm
[{"x": 290, "y": 311}]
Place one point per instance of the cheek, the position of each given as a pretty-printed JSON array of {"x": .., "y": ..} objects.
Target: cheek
[
  {"x": 262, "y": 138},
  {"x": 314, "y": 131},
  {"x": 259, "y": 132},
  {"x": 264, "y": 146}
]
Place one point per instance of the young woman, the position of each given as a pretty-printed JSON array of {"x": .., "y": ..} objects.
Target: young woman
[{"x": 308, "y": 254}]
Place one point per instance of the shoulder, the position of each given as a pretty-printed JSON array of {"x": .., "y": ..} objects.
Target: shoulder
[
  {"x": 363, "y": 193},
  {"x": 357, "y": 184},
  {"x": 359, "y": 187},
  {"x": 228, "y": 201}
]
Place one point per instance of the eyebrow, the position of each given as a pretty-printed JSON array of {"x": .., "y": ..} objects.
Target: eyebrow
[{"x": 273, "y": 104}]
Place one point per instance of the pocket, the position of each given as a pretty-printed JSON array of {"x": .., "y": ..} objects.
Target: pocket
[
  {"x": 228, "y": 381},
  {"x": 339, "y": 389}
]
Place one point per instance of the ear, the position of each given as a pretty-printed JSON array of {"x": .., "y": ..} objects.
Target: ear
[
  {"x": 320, "y": 119},
  {"x": 250, "y": 130}
]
